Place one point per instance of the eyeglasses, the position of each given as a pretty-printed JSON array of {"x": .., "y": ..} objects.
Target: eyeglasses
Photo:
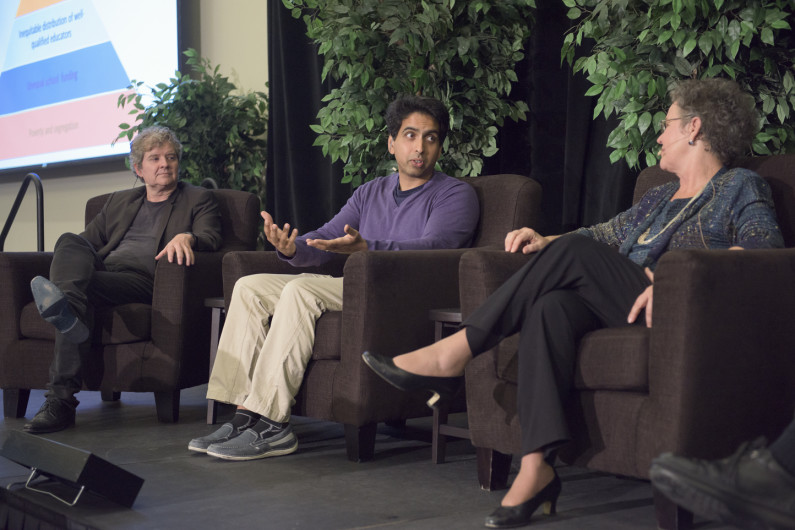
[{"x": 664, "y": 123}]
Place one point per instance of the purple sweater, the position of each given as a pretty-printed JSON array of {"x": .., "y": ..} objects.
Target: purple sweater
[{"x": 442, "y": 214}]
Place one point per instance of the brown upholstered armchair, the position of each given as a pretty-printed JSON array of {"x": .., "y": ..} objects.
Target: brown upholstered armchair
[
  {"x": 386, "y": 299},
  {"x": 716, "y": 368},
  {"x": 160, "y": 348}
]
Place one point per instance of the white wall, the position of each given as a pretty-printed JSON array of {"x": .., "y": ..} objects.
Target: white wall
[
  {"x": 233, "y": 35},
  {"x": 64, "y": 205}
]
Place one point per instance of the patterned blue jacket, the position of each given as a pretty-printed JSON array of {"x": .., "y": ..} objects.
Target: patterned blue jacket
[{"x": 734, "y": 209}]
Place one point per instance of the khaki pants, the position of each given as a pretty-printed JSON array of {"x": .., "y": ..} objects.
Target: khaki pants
[{"x": 259, "y": 369}]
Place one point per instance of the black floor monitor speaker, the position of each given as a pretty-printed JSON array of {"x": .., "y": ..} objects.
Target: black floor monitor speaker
[{"x": 75, "y": 466}]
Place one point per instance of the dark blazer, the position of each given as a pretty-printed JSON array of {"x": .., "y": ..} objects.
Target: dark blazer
[{"x": 192, "y": 209}]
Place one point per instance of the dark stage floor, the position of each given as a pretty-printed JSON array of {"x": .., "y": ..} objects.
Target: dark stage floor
[{"x": 314, "y": 488}]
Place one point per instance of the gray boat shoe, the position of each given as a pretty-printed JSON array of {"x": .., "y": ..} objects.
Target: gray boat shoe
[{"x": 252, "y": 445}]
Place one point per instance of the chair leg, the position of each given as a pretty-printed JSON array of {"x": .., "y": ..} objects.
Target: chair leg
[
  {"x": 212, "y": 411},
  {"x": 109, "y": 395},
  {"x": 15, "y": 402},
  {"x": 438, "y": 440},
  {"x": 167, "y": 404},
  {"x": 493, "y": 469},
  {"x": 360, "y": 442},
  {"x": 670, "y": 516}
]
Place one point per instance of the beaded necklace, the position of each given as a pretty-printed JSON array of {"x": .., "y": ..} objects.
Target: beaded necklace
[{"x": 644, "y": 238}]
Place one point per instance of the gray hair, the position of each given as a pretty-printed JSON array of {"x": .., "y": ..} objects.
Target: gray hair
[
  {"x": 729, "y": 120},
  {"x": 148, "y": 139}
]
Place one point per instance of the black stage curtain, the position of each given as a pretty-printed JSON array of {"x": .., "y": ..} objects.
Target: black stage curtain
[
  {"x": 560, "y": 145},
  {"x": 303, "y": 188}
]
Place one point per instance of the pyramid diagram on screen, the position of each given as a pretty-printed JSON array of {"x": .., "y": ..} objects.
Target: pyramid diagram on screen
[
  {"x": 62, "y": 70},
  {"x": 58, "y": 50}
]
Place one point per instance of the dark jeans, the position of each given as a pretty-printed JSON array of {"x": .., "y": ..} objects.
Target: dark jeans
[
  {"x": 81, "y": 275},
  {"x": 573, "y": 286}
]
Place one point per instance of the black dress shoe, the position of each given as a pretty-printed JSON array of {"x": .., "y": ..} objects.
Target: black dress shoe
[
  {"x": 442, "y": 387},
  {"x": 748, "y": 489},
  {"x": 54, "y": 415},
  {"x": 55, "y": 309},
  {"x": 513, "y": 516}
]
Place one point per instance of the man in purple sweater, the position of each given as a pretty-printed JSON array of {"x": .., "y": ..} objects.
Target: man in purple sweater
[{"x": 268, "y": 335}]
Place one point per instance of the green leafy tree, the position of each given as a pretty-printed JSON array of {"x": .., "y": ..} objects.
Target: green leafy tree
[
  {"x": 463, "y": 53},
  {"x": 642, "y": 46},
  {"x": 223, "y": 133}
]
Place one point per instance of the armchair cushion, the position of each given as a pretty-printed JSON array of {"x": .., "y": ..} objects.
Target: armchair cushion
[
  {"x": 601, "y": 364},
  {"x": 614, "y": 359},
  {"x": 32, "y": 326}
]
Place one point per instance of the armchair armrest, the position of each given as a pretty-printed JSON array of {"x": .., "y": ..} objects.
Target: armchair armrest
[
  {"x": 180, "y": 322},
  {"x": 244, "y": 263},
  {"x": 722, "y": 350},
  {"x": 386, "y": 299},
  {"x": 16, "y": 271},
  {"x": 482, "y": 271}
]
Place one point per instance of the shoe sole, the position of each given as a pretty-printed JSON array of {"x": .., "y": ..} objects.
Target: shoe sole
[
  {"x": 46, "y": 431},
  {"x": 50, "y": 306},
  {"x": 718, "y": 505},
  {"x": 275, "y": 452},
  {"x": 204, "y": 449}
]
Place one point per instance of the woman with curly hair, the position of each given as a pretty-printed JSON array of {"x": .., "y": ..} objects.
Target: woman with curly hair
[{"x": 577, "y": 282}]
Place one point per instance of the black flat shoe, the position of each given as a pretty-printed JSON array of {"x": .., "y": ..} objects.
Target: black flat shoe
[
  {"x": 513, "y": 516},
  {"x": 442, "y": 387}
]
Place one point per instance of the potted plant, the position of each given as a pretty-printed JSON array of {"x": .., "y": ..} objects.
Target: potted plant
[
  {"x": 641, "y": 46},
  {"x": 223, "y": 133},
  {"x": 463, "y": 53}
]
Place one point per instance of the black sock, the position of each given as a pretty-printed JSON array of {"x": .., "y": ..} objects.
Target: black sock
[
  {"x": 265, "y": 424},
  {"x": 244, "y": 419},
  {"x": 783, "y": 449}
]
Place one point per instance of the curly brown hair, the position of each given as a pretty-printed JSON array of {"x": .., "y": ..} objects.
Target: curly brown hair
[{"x": 729, "y": 120}]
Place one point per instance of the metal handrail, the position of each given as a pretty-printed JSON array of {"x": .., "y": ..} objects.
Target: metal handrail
[{"x": 34, "y": 178}]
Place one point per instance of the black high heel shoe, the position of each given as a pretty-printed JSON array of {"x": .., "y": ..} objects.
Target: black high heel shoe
[
  {"x": 442, "y": 387},
  {"x": 512, "y": 516}
]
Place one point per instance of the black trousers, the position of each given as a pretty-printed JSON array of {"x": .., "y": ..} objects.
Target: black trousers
[
  {"x": 82, "y": 276},
  {"x": 572, "y": 286}
]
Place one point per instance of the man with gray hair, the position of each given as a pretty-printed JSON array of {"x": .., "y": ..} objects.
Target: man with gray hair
[{"x": 113, "y": 262}]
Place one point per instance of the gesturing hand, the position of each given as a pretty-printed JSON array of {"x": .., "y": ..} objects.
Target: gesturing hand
[
  {"x": 643, "y": 301},
  {"x": 180, "y": 249},
  {"x": 281, "y": 238},
  {"x": 351, "y": 242}
]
